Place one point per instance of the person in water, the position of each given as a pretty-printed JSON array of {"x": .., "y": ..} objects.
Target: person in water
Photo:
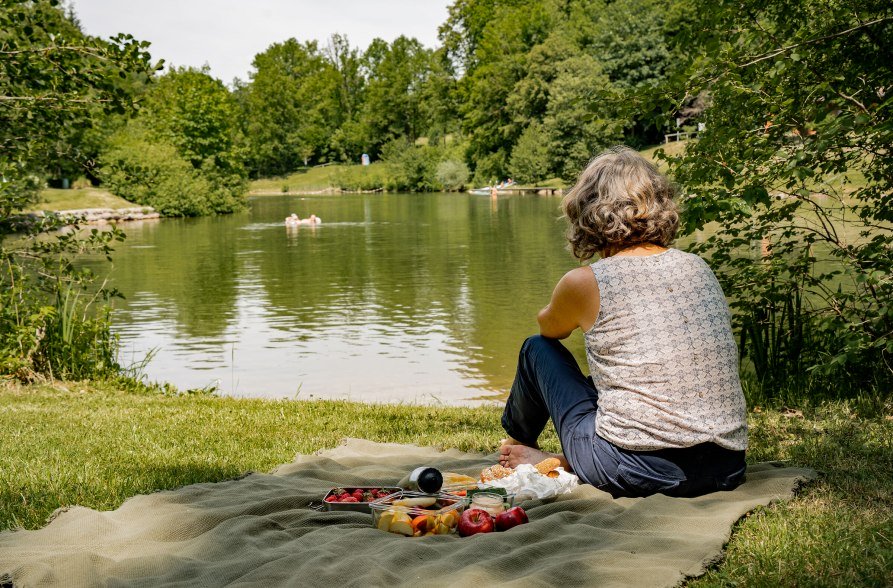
[
  {"x": 295, "y": 220},
  {"x": 663, "y": 410}
]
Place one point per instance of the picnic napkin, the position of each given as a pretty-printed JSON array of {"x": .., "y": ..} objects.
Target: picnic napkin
[{"x": 260, "y": 531}]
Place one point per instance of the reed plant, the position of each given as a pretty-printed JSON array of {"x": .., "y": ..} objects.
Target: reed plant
[
  {"x": 53, "y": 318},
  {"x": 78, "y": 341}
]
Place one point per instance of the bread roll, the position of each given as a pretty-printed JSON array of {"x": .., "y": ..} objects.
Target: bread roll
[
  {"x": 495, "y": 472},
  {"x": 547, "y": 465}
]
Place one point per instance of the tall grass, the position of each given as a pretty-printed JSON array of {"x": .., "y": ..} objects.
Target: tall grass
[
  {"x": 52, "y": 327},
  {"x": 78, "y": 342}
]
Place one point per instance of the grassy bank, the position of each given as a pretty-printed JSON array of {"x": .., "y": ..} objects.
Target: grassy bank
[
  {"x": 53, "y": 199},
  {"x": 374, "y": 177},
  {"x": 314, "y": 179},
  {"x": 95, "y": 445}
]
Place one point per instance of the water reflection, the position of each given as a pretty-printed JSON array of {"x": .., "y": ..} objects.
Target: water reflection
[{"x": 393, "y": 298}]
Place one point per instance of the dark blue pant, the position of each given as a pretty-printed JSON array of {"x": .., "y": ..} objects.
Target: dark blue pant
[{"x": 549, "y": 383}]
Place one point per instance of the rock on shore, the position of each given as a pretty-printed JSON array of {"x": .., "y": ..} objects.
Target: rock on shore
[{"x": 103, "y": 215}]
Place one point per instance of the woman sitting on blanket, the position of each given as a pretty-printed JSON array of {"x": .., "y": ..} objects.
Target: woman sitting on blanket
[{"x": 662, "y": 411}]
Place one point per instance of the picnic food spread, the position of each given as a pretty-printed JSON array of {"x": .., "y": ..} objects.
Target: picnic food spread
[
  {"x": 430, "y": 502},
  {"x": 423, "y": 479},
  {"x": 355, "y": 498},
  {"x": 415, "y": 514},
  {"x": 527, "y": 482}
]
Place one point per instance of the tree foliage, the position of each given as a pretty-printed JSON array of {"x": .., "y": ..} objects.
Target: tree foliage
[
  {"x": 182, "y": 154},
  {"x": 53, "y": 76},
  {"x": 293, "y": 105},
  {"x": 796, "y": 162},
  {"x": 397, "y": 74}
]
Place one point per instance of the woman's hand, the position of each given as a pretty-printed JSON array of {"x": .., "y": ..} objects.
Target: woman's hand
[{"x": 575, "y": 303}]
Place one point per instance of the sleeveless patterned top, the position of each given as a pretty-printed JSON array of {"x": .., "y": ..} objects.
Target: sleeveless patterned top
[{"x": 662, "y": 355}]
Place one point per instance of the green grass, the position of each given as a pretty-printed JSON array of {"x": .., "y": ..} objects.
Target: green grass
[
  {"x": 96, "y": 445},
  {"x": 354, "y": 177},
  {"x": 54, "y": 199},
  {"x": 672, "y": 149}
]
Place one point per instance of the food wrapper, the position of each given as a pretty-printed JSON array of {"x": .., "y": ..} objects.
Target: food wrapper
[{"x": 526, "y": 483}]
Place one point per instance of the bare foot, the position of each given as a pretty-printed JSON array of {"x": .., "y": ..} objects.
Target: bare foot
[
  {"x": 512, "y": 441},
  {"x": 511, "y": 456}
]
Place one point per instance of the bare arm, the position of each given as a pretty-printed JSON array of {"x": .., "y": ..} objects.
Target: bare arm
[{"x": 575, "y": 303}]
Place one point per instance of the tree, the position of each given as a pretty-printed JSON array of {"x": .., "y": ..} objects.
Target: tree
[
  {"x": 413, "y": 167},
  {"x": 796, "y": 158},
  {"x": 583, "y": 116},
  {"x": 627, "y": 39},
  {"x": 195, "y": 113},
  {"x": 500, "y": 60},
  {"x": 396, "y": 75},
  {"x": 462, "y": 32},
  {"x": 348, "y": 64},
  {"x": 439, "y": 100},
  {"x": 181, "y": 154},
  {"x": 531, "y": 159},
  {"x": 151, "y": 171},
  {"x": 346, "y": 142},
  {"x": 632, "y": 40},
  {"x": 53, "y": 76},
  {"x": 293, "y": 105}
]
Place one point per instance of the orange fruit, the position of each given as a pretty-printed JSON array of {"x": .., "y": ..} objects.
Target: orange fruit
[{"x": 423, "y": 523}]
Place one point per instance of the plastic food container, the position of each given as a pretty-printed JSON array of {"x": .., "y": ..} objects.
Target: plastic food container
[
  {"x": 459, "y": 489},
  {"x": 508, "y": 500},
  {"x": 361, "y": 506},
  {"x": 414, "y": 514},
  {"x": 492, "y": 503}
]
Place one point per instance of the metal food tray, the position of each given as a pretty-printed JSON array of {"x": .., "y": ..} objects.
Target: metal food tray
[{"x": 354, "y": 506}]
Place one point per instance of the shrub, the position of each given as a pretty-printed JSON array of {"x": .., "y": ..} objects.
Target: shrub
[
  {"x": 48, "y": 323},
  {"x": 531, "y": 156},
  {"x": 81, "y": 183},
  {"x": 151, "y": 172},
  {"x": 413, "y": 168},
  {"x": 796, "y": 155},
  {"x": 452, "y": 174}
]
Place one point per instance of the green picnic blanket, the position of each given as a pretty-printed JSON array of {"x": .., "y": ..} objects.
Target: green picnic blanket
[{"x": 260, "y": 531}]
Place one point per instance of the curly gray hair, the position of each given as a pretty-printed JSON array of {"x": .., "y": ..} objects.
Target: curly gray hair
[{"x": 619, "y": 200}]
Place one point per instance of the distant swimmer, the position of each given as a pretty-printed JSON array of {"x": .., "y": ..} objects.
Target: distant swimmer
[
  {"x": 293, "y": 220},
  {"x": 312, "y": 220}
]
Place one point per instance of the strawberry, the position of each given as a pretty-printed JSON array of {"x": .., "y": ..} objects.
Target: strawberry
[
  {"x": 369, "y": 497},
  {"x": 331, "y": 498},
  {"x": 358, "y": 494},
  {"x": 349, "y": 499}
]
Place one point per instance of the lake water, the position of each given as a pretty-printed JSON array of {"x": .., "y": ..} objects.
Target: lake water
[{"x": 395, "y": 297}]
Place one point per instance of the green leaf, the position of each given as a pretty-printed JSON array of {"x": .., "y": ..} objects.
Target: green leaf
[{"x": 755, "y": 194}]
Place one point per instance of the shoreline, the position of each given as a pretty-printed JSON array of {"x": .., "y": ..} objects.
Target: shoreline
[
  {"x": 322, "y": 192},
  {"x": 91, "y": 216}
]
